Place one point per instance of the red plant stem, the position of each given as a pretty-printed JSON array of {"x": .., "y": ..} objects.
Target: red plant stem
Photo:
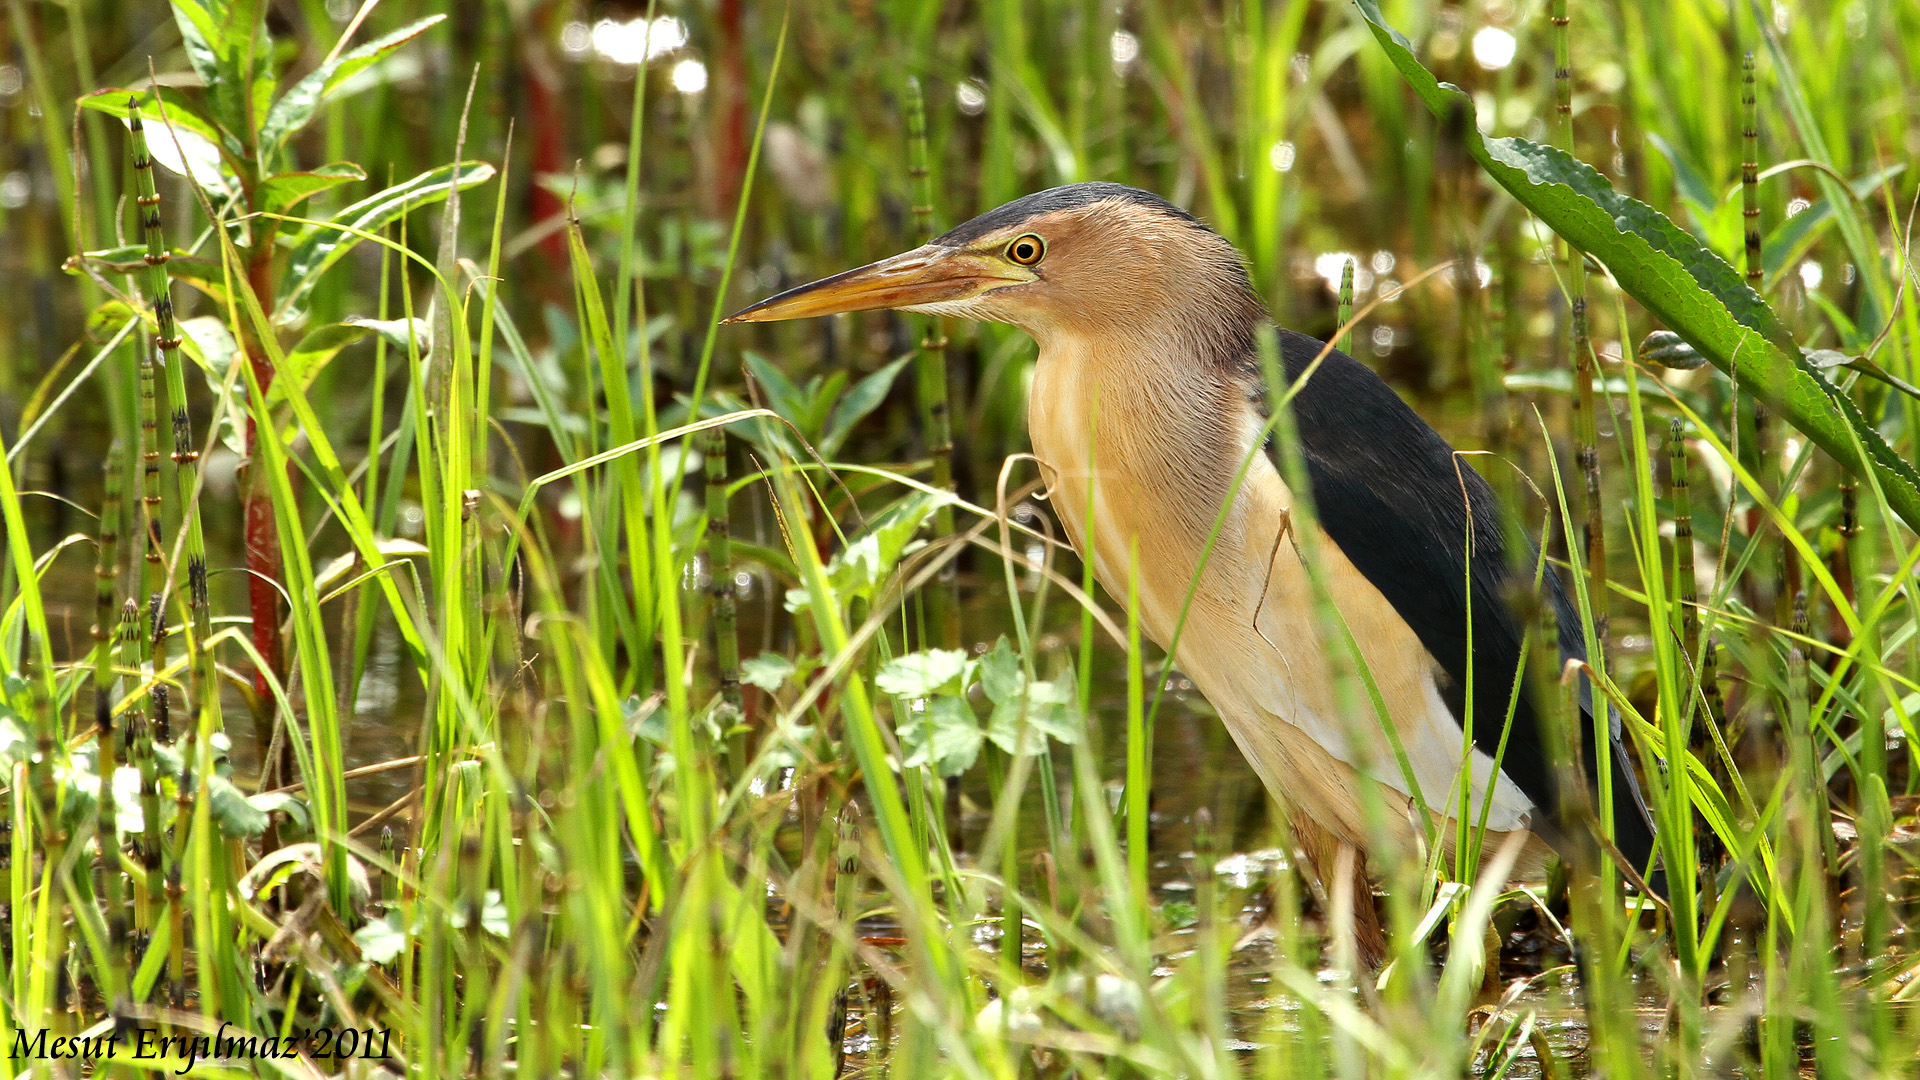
[
  {"x": 262, "y": 537},
  {"x": 549, "y": 153},
  {"x": 733, "y": 134}
]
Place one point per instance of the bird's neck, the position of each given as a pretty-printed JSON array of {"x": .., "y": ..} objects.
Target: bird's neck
[{"x": 1143, "y": 430}]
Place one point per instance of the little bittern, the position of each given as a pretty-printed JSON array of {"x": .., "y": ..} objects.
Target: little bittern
[{"x": 1149, "y": 389}]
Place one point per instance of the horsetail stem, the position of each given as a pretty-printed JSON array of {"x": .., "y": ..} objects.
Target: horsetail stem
[
  {"x": 52, "y": 834},
  {"x": 106, "y": 759},
  {"x": 1586, "y": 424},
  {"x": 140, "y": 755},
  {"x": 1346, "y": 309},
  {"x": 186, "y": 459},
  {"x": 1750, "y": 171},
  {"x": 846, "y": 864},
  {"x": 943, "y": 601},
  {"x": 726, "y": 631},
  {"x": 105, "y": 617},
  {"x": 1786, "y": 572},
  {"x": 1843, "y": 546},
  {"x": 159, "y": 696},
  {"x": 1701, "y": 731},
  {"x": 153, "y": 575}
]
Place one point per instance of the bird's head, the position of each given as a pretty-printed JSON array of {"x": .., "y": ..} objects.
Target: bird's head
[{"x": 1092, "y": 258}]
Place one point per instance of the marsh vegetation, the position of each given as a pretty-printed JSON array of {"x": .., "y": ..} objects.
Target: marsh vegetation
[{"x": 490, "y": 650}]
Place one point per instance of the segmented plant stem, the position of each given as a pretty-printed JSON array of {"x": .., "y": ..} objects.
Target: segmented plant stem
[
  {"x": 1585, "y": 422},
  {"x": 52, "y": 834},
  {"x": 1750, "y": 171},
  {"x": 726, "y": 632},
  {"x": 1843, "y": 546},
  {"x": 846, "y": 878},
  {"x": 935, "y": 404},
  {"x": 106, "y": 756},
  {"x": 1701, "y": 662},
  {"x": 185, "y": 456},
  {"x": 140, "y": 753},
  {"x": 1345, "y": 314},
  {"x": 153, "y": 547}
]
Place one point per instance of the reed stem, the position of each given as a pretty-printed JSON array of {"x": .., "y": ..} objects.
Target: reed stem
[
  {"x": 106, "y": 756},
  {"x": 1585, "y": 420},
  {"x": 726, "y": 629},
  {"x": 1703, "y": 683},
  {"x": 943, "y": 601}
]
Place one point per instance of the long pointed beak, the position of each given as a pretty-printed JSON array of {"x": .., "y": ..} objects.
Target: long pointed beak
[{"x": 926, "y": 275}]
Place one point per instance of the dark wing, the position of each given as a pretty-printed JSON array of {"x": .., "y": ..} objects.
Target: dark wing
[{"x": 1388, "y": 492}]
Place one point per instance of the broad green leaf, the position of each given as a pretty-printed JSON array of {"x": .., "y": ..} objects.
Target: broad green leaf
[
  {"x": 297, "y": 106},
  {"x": 1690, "y": 289},
  {"x": 281, "y": 193},
  {"x": 865, "y": 397},
  {"x": 235, "y": 816},
  {"x": 184, "y": 139},
  {"x": 768, "y": 671},
  {"x": 944, "y": 736},
  {"x": 319, "y": 247},
  {"x": 180, "y": 114},
  {"x": 922, "y": 673}
]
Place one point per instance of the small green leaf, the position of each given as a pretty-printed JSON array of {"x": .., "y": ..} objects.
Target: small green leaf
[
  {"x": 319, "y": 247},
  {"x": 1001, "y": 674},
  {"x": 297, "y": 106},
  {"x": 768, "y": 671},
  {"x": 209, "y": 342},
  {"x": 396, "y": 332},
  {"x": 318, "y": 348},
  {"x": 280, "y": 194},
  {"x": 922, "y": 673},
  {"x": 15, "y": 745},
  {"x": 382, "y": 940},
  {"x": 1044, "y": 707},
  {"x": 1670, "y": 350},
  {"x": 945, "y": 736},
  {"x": 782, "y": 397}
]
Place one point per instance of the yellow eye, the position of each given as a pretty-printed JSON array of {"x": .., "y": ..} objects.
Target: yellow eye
[{"x": 1026, "y": 250}]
